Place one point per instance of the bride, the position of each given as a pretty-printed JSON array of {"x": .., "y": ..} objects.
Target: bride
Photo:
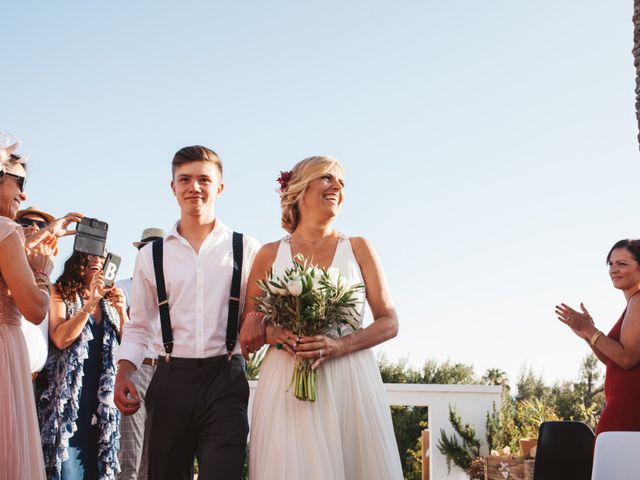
[{"x": 346, "y": 433}]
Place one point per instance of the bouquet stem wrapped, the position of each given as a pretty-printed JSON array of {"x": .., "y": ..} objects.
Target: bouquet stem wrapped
[
  {"x": 308, "y": 300},
  {"x": 304, "y": 381}
]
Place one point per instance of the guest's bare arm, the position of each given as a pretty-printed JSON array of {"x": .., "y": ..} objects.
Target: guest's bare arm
[
  {"x": 32, "y": 302},
  {"x": 624, "y": 352},
  {"x": 64, "y": 332},
  {"x": 601, "y": 356},
  {"x": 118, "y": 301}
]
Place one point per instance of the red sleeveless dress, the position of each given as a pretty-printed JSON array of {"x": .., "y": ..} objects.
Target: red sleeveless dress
[{"x": 622, "y": 394}]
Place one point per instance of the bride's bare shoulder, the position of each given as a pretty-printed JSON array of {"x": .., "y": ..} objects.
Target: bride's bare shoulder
[{"x": 267, "y": 253}]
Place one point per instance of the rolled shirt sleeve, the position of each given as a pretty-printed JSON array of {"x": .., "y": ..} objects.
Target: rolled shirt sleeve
[{"x": 139, "y": 331}]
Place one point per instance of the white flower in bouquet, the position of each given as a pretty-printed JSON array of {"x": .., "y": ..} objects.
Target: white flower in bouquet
[
  {"x": 294, "y": 286},
  {"x": 308, "y": 300},
  {"x": 276, "y": 289},
  {"x": 316, "y": 276}
]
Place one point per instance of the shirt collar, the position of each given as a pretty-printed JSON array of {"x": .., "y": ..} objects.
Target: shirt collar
[{"x": 218, "y": 229}]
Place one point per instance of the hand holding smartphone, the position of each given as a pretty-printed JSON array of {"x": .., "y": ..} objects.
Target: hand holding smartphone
[{"x": 110, "y": 269}]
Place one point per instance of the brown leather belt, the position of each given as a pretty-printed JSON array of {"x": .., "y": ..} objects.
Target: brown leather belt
[{"x": 150, "y": 361}]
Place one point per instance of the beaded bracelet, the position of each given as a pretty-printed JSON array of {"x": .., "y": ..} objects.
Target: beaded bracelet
[{"x": 253, "y": 313}]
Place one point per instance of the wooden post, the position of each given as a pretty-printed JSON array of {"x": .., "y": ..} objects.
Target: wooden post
[{"x": 426, "y": 453}]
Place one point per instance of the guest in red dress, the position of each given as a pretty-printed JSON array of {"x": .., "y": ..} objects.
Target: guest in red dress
[{"x": 620, "y": 349}]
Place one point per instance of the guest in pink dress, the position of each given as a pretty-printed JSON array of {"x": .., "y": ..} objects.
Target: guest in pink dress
[{"x": 24, "y": 292}]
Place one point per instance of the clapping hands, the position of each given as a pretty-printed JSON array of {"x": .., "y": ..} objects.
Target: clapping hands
[{"x": 579, "y": 322}]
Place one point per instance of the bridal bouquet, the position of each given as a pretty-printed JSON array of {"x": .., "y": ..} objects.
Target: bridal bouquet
[{"x": 308, "y": 300}]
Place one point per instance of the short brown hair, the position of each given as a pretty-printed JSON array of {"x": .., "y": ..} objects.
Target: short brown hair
[{"x": 195, "y": 153}]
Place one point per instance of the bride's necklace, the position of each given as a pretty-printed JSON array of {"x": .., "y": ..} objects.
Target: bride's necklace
[{"x": 299, "y": 237}]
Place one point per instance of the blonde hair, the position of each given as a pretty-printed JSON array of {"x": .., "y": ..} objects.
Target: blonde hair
[
  {"x": 304, "y": 172},
  {"x": 9, "y": 159},
  {"x": 12, "y": 161}
]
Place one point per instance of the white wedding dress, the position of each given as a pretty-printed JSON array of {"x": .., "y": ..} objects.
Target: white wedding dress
[{"x": 346, "y": 434}]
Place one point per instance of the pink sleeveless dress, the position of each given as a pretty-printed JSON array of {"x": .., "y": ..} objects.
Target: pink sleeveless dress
[{"x": 20, "y": 447}]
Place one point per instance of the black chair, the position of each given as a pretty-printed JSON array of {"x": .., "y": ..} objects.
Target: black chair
[{"x": 564, "y": 451}]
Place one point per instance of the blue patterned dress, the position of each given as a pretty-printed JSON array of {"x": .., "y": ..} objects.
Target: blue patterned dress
[{"x": 65, "y": 407}]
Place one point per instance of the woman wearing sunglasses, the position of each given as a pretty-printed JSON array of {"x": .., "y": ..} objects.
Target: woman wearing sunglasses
[{"x": 24, "y": 292}]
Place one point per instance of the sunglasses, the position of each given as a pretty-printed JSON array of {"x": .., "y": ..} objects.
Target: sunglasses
[
  {"x": 20, "y": 180},
  {"x": 28, "y": 222}
]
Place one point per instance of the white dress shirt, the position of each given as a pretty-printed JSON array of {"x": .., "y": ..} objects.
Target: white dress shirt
[
  {"x": 125, "y": 285},
  {"x": 197, "y": 284}
]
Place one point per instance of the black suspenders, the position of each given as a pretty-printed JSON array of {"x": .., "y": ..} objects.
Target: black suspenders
[
  {"x": 163, "y": 303},
  {"x": 234, "y": 294},
  {"x": 234, "y": 297}
]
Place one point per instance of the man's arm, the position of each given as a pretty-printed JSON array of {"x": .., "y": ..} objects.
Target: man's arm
[
  {"x": 125, "y": 393},
  {"x": 143, "y": 311},
  {"x": 138, "y": 332}
]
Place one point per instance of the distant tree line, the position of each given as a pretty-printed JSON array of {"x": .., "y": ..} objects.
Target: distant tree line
[{"x": 519, "y": 415}]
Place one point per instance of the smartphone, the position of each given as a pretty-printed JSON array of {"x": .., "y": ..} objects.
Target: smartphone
[
  {"x": 91, "y": 237},
  {"x": 110, "y": 269}
]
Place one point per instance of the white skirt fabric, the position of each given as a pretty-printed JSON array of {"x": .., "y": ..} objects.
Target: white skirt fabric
[{"x": 346, "y": 434}]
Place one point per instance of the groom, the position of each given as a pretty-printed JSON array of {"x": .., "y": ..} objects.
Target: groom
[{"x": 198, "y": 395}]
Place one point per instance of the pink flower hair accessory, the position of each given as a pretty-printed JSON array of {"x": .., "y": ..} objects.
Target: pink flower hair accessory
[{"x": 284, "y": 179}]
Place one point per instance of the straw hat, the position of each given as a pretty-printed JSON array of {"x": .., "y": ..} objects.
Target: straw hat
[
  {"x": 149, "y": 235},
  {"x": 35, "y": 211}
]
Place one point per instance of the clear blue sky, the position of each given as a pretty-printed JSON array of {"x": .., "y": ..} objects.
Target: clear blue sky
[{"x": 489, "y": 147}]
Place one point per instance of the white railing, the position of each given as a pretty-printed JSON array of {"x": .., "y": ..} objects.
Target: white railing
[{"x": 471, "y": 401}]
